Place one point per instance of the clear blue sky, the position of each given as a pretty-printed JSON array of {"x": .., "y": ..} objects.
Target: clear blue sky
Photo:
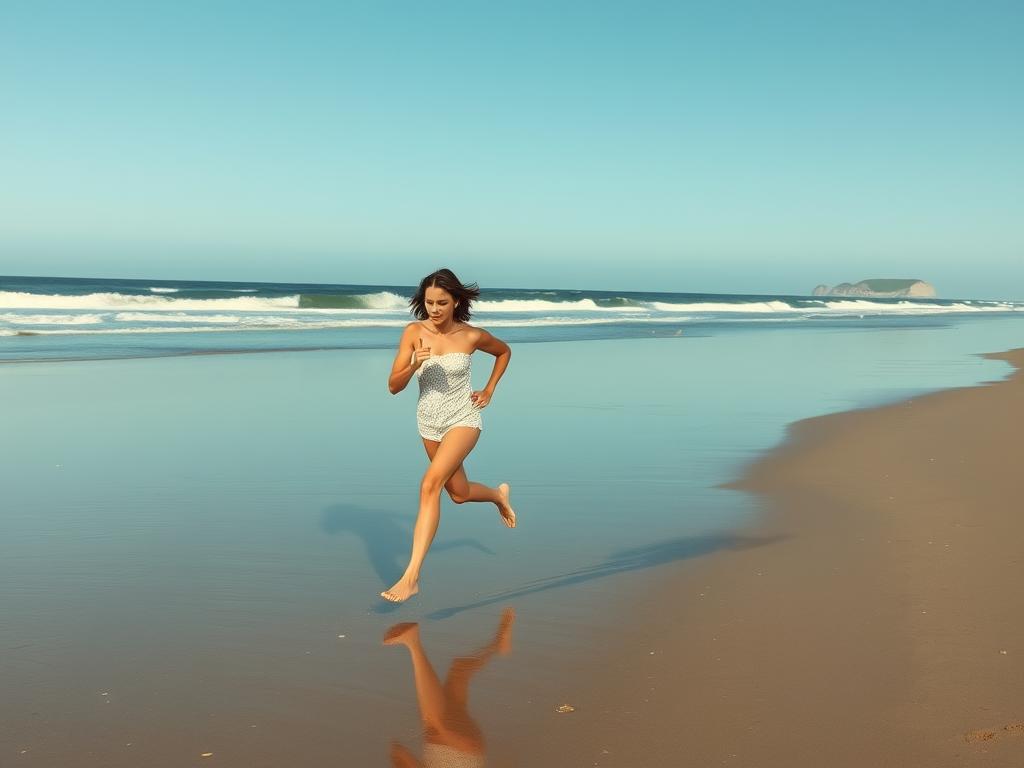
[{"x": 691, "y": 146}]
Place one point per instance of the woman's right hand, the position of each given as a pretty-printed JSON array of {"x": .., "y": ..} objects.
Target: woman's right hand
[{"x": 420, "y": 354}]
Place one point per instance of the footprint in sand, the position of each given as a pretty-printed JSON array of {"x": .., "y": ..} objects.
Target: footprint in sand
[
  {"x": 980, "y": 734},
  {"x": 984, "y": 734}
]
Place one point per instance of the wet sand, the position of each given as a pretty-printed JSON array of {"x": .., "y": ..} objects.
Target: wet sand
[
  {"x": 189, "y": 568},
  {"x": 871, "y": 617}
]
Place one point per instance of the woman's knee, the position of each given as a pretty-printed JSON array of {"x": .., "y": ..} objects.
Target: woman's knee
[
  {"x": 458, "y": 495},
  {"x": 431, "y": 484}
]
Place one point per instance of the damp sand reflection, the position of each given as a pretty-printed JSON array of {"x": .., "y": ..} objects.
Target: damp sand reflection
[{"x": 451, "y": 738}]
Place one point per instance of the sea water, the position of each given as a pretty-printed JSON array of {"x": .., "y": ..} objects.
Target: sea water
[{"x": 74, "y": 318}]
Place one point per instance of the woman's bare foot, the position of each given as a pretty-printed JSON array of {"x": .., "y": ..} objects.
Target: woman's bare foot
[
  {"x": 402, "y": 634},
  {"x": 401, "y": 592},
  {"x": 508, "y": 515}
]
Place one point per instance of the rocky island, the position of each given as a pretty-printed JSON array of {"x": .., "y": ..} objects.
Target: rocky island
[{"x": 886, "y": 288}]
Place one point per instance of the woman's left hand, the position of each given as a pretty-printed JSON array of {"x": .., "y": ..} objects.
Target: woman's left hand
[{"x": 481, "y": 398}]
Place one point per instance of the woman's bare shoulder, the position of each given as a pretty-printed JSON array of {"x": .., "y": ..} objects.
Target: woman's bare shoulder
[{"x": 480, "y": 338}]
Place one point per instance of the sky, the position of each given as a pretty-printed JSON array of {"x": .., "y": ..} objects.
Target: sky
[{"x": 720, "y": 146}]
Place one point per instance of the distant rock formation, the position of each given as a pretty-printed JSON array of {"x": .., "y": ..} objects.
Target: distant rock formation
[{"x": 879, "y": 289}]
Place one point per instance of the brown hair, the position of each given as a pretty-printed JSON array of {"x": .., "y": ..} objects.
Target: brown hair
[{"x": 464, "y": 295}]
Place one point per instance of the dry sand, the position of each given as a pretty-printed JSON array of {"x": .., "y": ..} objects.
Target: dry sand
[{"x": 871, "y": 617}]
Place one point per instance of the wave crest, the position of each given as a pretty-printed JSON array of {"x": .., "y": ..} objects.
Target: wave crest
[
  {"x": 16, "y": 319},
  {"x": 19, "y": 300},
  {"x": 540, "y": 305},
  {"x": 381, "y": 301}
]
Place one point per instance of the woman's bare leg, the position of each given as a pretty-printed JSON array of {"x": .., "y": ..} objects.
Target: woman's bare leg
[
  {"x": 456, "y": 683},
  {"x": 444, "y": 709},
  {"x": 461, "y": 490},
  {"x": 429, "y": 692},
  {"x": 454, "y": 447}
]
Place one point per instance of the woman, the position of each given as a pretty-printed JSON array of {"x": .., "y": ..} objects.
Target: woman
[{"x": 437, "y": 349}]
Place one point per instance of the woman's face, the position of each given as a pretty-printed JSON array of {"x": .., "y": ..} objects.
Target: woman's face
[{"x": 440, "y": 305}]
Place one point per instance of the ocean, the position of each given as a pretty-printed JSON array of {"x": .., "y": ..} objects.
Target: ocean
[
  {"x": 193, "y": 542},
  {"x": 74, "y": 318}
]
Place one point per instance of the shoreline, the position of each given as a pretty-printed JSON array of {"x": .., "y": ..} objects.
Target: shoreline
[{"x": 866, "y": 617}]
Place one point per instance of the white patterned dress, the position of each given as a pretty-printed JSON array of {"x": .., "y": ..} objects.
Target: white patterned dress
[{"x": 445, "y": 390}]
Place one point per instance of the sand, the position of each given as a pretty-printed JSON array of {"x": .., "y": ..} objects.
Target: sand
[{"x": 870, "y": 617}]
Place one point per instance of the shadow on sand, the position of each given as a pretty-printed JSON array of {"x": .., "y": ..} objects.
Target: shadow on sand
[
  {"x": 387, "y": 537},
  {"x": 618, "y": 562}
]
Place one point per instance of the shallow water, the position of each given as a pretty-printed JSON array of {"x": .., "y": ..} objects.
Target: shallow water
[{"x": 192, "y": 546}]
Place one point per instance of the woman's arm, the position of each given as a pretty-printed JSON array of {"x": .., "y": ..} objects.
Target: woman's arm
[
  {"x": 406, "y": 361},
  {"x": 502, "y": 353}
]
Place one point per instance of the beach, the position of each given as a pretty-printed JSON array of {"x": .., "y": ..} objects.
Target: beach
[
  {"x": 737, "y": 287},
  {"x": 194, "y": 542},
  {"x": 869, "y": 617}
]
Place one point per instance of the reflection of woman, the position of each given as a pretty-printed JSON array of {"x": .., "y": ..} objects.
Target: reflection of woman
[
  {"x": 451, "y": 738},
  {"x": 437, "y": 350}
]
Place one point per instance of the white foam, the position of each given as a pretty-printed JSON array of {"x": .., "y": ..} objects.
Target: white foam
[
  {"x": 299, "y": 322},
  {"x": 847, "y": 306},
  {"x": 261, "y": 321},
  {"x": 285, "y": 324},
  {"x": 915, "y": 307},
  {"x": 18, "y": 300},
  {"x": 539, "y": 305},
  {"x": 764, "y": 307},
  {"x": 164, "y": 290},
  {"x": 268, "y": 323},
  {"x": 388, "y": 309},
  {"x": 16, "y": 319},
  {"x": 568, "y": 321},
  {"x": 174, "y": 317}
]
